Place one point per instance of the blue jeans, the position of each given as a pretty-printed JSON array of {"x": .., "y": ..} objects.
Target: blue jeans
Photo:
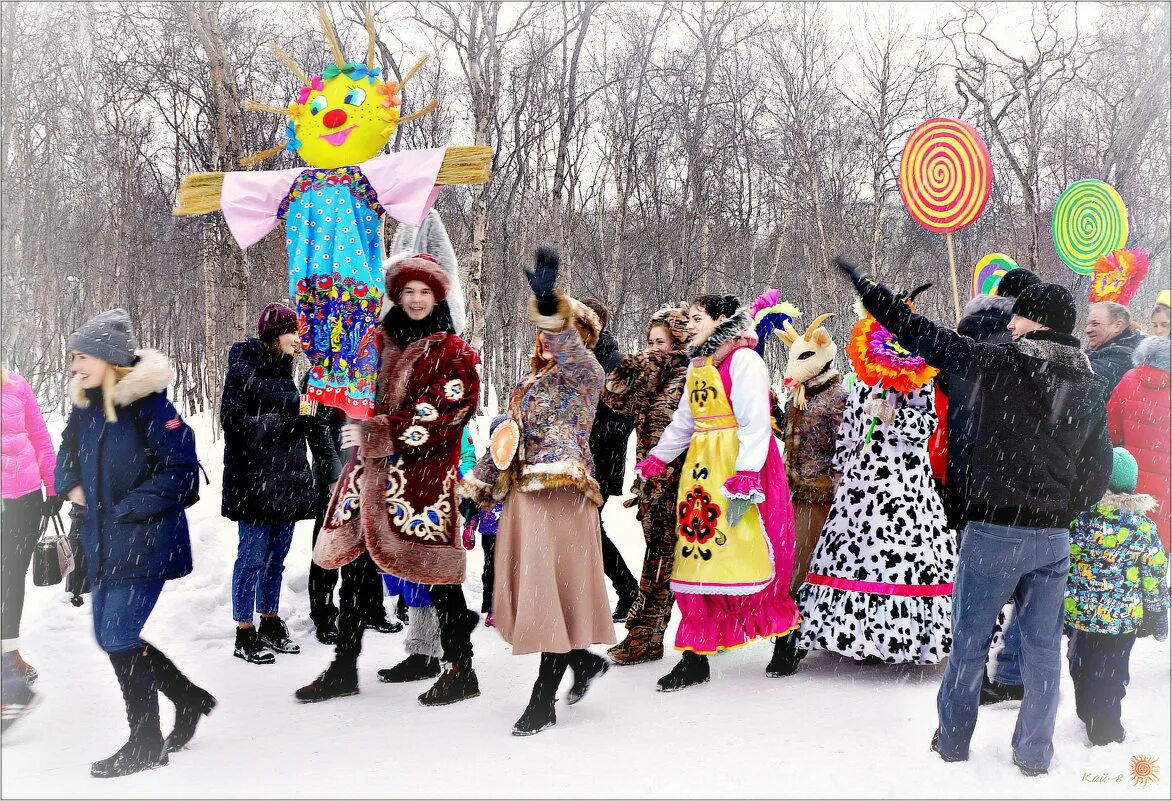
[
  {"x": 260, "y": 564},
  {"x": 996, "y": 563},
  {"x": 120, "y": 612},
  {"x": 1007, "y": 663}
]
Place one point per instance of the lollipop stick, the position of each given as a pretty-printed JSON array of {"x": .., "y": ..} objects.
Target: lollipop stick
[{"x": 952, "y": 268}]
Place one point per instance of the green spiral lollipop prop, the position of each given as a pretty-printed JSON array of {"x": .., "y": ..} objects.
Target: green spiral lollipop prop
[{"x": 1089, "y": 221}]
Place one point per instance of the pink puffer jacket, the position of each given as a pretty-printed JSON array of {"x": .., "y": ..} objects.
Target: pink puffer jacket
[{"x": 27, "y": 450}]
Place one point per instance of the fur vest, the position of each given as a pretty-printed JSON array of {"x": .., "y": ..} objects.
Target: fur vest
[{"x": 810, "y": 436}]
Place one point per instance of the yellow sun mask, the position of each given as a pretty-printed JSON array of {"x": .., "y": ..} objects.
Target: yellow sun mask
[{"x": 344, "y": 116}]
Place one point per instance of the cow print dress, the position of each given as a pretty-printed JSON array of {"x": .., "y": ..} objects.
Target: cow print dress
[{"x": 880, "y": 580}]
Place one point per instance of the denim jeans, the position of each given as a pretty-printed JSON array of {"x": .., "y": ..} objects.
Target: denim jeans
[
  {"x": 120, "y": 612},
  {"x": 1030, "y": 566},
  {"x": 1007, "y": 662},
  {"x": 260, "y": 563}
]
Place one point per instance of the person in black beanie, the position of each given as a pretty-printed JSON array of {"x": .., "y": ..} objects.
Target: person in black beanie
[
  {"x": 986, "y": 319},
  {"x": 1041, "y": 456}
]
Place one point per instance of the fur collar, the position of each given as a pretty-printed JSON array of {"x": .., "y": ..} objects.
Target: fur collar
[
  {"x": 825, "y": 379},
  {"x": 151, "y": 373},
  {"x": 1154, "y": 352},
  {"x": 987, "y": 303},
  {"x": 1121, "y": 502},
  {"x": 1056, "y": 348},
  {"x": 725, "y": 332}
]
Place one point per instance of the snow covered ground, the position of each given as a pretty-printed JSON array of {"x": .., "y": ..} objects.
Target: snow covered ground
[{"x": 832, "y": 730}]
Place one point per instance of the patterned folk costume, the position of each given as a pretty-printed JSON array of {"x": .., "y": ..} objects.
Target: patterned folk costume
[
  {"x": 341, "y": 121},
  {"x": 731, "y": 580}
]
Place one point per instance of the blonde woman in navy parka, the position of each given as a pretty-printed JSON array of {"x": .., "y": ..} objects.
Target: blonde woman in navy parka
[{"x": 129, "y": 458}]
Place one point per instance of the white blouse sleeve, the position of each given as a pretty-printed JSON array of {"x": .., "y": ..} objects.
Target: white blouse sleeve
[
  {"x": 750, "y": 401},
  {"x": 678, "y": 435}
]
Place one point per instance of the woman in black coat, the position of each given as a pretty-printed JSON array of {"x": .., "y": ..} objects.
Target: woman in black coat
[{"x": 268, "y": 484}]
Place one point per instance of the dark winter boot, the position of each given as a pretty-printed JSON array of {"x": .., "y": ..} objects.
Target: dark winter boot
[
  {"x": 275, "y": 634},
  {"x": 191, "y": 702},
  {"x": 936, "y": 747},
  {"x": 145, "y": 749},
  {"x": 458, "y": 683},
  {"x": 337, "y": 681},
  {"x": 691, "y": 670},
  {"x": 587, "y": 667},
  {"x": 416, "y": 667},
  {"x": 993, "y": 692},
  {"x": 326, "y": 633},
  {"x": 251, "y": 649},
  {"x": 384, "y": 625},
  {"x": 19, "y": 699},
  {"x": 786, "y": 656},
  {"x": 628, "y": 595},
  {"x": 539, "y": 715},
  {"x": 401, "y": 610}
]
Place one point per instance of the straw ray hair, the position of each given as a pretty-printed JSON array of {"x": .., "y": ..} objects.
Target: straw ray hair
[
  {"x": 287, "y": 61},
  {"x": 331, "y": 37},
  {"x": 368, "y": 21}
]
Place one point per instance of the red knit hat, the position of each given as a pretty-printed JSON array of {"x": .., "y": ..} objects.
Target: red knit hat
[
  {"x": 420, "y": 267},
  {"x": 275, "y": 320}
]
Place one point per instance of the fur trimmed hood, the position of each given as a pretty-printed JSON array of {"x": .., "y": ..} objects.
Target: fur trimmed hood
[
  {"x": 734, "y": 332},
  {"x": 1139, "y": 503},
  {"x": 569, "y": 311},
  {"x": 151, "y": 373},
  {"x": 1154, "y": 352},
  {"x": 982, "y": 304}
]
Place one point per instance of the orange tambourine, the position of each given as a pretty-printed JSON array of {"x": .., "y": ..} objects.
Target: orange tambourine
[{"x": 503, "y": 444}]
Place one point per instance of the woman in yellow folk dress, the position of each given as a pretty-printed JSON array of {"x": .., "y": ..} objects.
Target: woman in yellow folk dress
[{"x": 735, "y": 523}]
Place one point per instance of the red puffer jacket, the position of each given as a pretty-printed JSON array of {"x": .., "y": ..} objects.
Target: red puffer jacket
[{"x": 1138, "y": 416}]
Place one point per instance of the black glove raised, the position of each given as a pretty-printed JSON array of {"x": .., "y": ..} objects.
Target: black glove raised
[
  {"x": 856, "y": 276},
  {"x": 468, "y": 508},
  {"x": 543, "y": 277}
]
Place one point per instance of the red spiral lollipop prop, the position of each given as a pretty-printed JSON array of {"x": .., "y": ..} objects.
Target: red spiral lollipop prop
[{"x": 945, "y": 175}]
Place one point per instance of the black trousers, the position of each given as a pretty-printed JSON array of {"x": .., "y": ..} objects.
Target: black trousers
[
  {"x": 488, "y": 576},
  {"x": 322, "y": 583},
  {"x": 613, "y": 565},
  {"x": 361, "y": 582},
  {"x": 21, "y": 522},
  {"x": 1099, "y": 667}
]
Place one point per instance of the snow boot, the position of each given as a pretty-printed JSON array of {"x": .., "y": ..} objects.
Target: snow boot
[
  {"x": 786, "y": 656},
  {"x": 627, "y": 600},
  {"x": 415, "y": 667},
  {"x": 691, "y": 670},
  {"x": 19, "y": 699},
  {"x": 275, "y": 634},
  {"x": 384, "y": 625},
  {"x": 326, "y": 633},
  {"x": 640, "y": 645},
  {"x": 457, "y": 683},
  {"x": 1026, "y": 770},
  {"x": 337, "y": 681},
  {"x": 30, "y": 673},
  {"x": 587, "y": 667},
  {"x": 936, "y": 748},
  {"x": 145, "y": 750},
  {"x": 251, "y": 649},
  {"x": 401, "y": 610},
  {"x": 191, "y": 702},
  {"x": 994, "y": 692},
  {"x": 539, "y": 715}
]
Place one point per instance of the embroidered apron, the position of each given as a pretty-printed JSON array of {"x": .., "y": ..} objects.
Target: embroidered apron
[{"x": 712, "y": 557}]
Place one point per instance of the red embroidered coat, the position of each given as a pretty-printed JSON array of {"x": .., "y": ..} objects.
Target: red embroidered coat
[{"x": 397, "y": 498}]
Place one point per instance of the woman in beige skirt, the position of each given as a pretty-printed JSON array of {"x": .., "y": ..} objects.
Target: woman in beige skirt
[{"x": 549, "y": 595}]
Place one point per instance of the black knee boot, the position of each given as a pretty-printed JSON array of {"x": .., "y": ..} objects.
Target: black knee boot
[
  {"x": 191, "y": 702},
  {"x": 786, "y": 656},
  {"x": 587, "y": 667},
  {"x": 692, "y": 669},
  {"x": 145, "y": 748},
  {"x": 539, "y": 715}
]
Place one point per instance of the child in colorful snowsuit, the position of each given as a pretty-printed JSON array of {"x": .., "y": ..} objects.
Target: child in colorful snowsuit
[{"x": 1117, "y": 590}]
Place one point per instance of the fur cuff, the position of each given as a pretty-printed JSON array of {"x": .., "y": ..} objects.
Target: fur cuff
[
  {"x": 377, "y": 438},
  {"x": 651, "y": 467}
]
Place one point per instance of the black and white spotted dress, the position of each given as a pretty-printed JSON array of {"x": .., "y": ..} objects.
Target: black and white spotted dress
[{"x": 880, "y": 580}]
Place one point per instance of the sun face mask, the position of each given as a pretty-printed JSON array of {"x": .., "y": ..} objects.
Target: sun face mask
[{"x": 345, "y": 118}]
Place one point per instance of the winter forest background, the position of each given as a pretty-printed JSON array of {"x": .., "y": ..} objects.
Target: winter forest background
[{"x": 665, "y": 148}]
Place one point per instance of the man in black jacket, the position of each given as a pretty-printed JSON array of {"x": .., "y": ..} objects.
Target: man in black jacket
[
  {"x": 1112, "y": 341},
  {"x": 1041, "y": 455},
  {"x": 608, "y": 446}
]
